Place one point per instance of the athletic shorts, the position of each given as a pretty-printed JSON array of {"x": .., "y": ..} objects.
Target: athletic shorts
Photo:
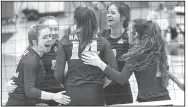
[
  {"x": 87, "y": 94},
  {"x": 161, "y": 98},
  {"x": 116, "y": 93}
]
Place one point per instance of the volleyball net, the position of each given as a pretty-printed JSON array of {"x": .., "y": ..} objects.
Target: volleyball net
[{"x": 17, "y": 17}]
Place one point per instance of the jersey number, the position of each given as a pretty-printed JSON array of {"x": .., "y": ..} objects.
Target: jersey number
[{"x": 92, "y": 46}]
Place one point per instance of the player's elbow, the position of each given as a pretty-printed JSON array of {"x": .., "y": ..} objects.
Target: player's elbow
[
  {"x": 28, "y": 92},
  {"x": 121, "y": 81},
  {"x": 32, "y": 92},
  {"x": 58, "y": 74},
  {"x": 58, "y": 78}
]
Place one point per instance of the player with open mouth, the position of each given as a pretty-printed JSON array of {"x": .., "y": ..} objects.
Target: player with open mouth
[
  {"x": 48, "y": 46},
  {"x": 29, "y": 73},
  {"x": 118, "y": 17},
  {"x": 49, "y": 59}
]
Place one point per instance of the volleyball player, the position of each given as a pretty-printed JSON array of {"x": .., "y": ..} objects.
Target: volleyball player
[
  {"x": 83, "y": 83},
  {"x": 30, "y": 71},
  {"x": 147, "y": 59},
  {"x": 118, "y": 18},
  {"x": 49, "y": 59}
]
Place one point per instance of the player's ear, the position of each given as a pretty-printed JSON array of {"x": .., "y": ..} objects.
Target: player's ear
[
  {"x": 123, "y": 18},
  {"x": 34, "y": 42}
]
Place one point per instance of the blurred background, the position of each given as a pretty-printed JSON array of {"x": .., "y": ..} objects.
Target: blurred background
[{"x": 17, "y": 17}]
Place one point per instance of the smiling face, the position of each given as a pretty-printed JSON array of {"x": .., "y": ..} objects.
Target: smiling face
[
  {"x": 113, "y": 16},
  {"x": 53, "y": 27},
  {"x": 44, "y": 40}
]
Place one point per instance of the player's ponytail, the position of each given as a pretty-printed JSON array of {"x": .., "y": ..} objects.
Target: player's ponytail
[{"x": 87, "y": 22}]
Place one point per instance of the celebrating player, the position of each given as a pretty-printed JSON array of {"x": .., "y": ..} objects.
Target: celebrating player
[
  {"x": 147, "y": 59},
  {"x": 118, "y": 18},
  {"x": 83, "y": 83},
  {"x": 49, "y": 59},
  {"x": 30, "y": 71}
]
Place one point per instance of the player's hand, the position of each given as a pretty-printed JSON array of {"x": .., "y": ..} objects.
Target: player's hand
[
  {"x": 61, "y": 98},
  {"x": 91, "y": 58},
  {"x": 114, "y": 51},
  {"x": 11, "y": 86},
  {"x": 53, "y": 64}
]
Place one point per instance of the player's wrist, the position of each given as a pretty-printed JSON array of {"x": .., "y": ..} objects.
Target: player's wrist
[
  {"x": 102, "y": 65},
  {"x": 53, "y": 96}
]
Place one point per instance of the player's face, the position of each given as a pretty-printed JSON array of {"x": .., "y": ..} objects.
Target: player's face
[
  {"x": 54, "y": 29},
  {"x": 113, "y": 16},
  {"x": 44, "y": 40}
]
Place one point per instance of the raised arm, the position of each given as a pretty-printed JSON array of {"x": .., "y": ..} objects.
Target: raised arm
[{"x": 60, "y": 63}]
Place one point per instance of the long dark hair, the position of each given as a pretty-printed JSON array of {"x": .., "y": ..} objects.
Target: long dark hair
[
  {"x": 86, "y": 20},
  {"x": 152, "y": 44},
  {"x": 124, "y": 10}
]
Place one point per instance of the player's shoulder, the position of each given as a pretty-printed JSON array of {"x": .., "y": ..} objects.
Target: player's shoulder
[
  {"x": 29, "y": 52},
  {"x": 105, "y": 33},
  {"x": 30, "y": 56},
  {"x": 103, "y": 40},
  {"x": 65, "y": 40}
]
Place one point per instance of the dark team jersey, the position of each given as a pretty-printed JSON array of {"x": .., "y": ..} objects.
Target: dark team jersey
[
  {"x": 28, "y": 76},
  {"x": 49, "y": 59},
  {"x": 78, "y": 72},
  {"x": 49, "y": 84},
  {"x": 119, "y": 45},
  {"x": 149, "y": 86}
]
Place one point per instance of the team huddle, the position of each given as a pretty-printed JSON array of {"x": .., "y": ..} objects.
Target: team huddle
[{"x": 87, "y": 67}]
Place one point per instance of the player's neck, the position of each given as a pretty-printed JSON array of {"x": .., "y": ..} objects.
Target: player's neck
[
  {"x": 37, "y": 51},
  {"x": 116, "y": 32}
]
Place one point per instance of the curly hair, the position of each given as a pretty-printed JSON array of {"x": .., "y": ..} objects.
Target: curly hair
[{"x": 151, "y": 44}]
